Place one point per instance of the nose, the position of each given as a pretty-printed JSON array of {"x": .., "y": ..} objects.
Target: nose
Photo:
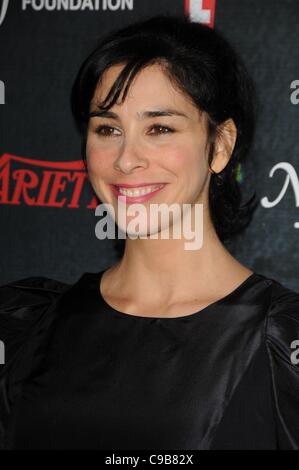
[{"x": 130, "y": 158}]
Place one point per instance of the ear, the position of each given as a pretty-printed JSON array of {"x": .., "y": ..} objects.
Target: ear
[{"x": 224, "y": 145}]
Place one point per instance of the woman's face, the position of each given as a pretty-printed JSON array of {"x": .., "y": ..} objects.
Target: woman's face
[{"x": 155, "y": 137}]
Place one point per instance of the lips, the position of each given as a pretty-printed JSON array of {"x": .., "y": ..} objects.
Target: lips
[
  {"x": 137, "y": 185},
  {"x": 137, "y": 193}
]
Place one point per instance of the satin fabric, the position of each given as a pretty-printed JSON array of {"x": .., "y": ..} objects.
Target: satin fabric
[{"x": 81, "y": 375}]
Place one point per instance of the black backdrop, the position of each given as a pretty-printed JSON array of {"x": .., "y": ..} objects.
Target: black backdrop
[{"x": 48, "y": 234}]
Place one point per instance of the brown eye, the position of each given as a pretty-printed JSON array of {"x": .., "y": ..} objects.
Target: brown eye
[
  {"x": 106, "y": 131},
  {"x": 159, "y": 129}
]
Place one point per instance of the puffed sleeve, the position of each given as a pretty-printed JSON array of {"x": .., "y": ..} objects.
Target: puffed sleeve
[
  {"x": 22, "y": 302},
  {"x": 25, "y": 307},
  {"x": 282, "y": 341}
]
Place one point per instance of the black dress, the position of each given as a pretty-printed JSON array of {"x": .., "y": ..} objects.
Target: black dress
[{"x": 79, "y": 374}]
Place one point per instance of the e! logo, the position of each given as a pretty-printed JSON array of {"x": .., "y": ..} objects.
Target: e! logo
[{"x": 201, "y": 11}]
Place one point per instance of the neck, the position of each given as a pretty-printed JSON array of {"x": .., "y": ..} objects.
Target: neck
[{"x": 166, "y": 268}]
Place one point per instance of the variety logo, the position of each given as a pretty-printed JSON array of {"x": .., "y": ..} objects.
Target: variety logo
[
  {"x": 3, "y": 10},
  {"x": 45, "y": 183},
  {"x": 201, "y": 11}
]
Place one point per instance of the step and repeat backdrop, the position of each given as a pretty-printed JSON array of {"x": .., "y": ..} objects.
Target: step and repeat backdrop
[{"x": 47, "y": 207}]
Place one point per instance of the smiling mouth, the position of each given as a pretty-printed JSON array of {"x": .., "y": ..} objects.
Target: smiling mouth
[{"x": 137, "y": 192}]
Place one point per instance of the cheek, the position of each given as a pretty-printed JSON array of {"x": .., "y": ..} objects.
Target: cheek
[
  {"x": 98, "y": 160},
  {"x": 187, "y": 160}
]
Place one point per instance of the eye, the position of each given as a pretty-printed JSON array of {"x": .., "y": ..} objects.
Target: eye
[
  {"x": 106, "y": 131},
  {"x": 109, "y": 131},
  {"x": 159, "y": 129}
]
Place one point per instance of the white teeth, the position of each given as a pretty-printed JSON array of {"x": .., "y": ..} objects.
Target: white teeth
[{"x": 139, "y": 191}]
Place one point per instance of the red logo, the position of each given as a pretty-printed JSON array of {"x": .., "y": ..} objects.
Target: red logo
[
  {"x": 201, "y": 11},
  {"x": 44, "y": 183}
]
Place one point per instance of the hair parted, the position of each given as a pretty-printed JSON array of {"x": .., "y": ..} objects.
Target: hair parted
[{"x": 200, "y": 63}]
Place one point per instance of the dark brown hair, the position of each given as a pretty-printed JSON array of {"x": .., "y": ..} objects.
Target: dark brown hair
[{"x": 201, "y": 63}]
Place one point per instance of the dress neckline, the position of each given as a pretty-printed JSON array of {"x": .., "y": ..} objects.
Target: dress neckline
[{"x": 199, "y": 313}]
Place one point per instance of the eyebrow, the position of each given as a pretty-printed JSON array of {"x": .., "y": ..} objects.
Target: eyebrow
[{"x": 145, "y": 114}]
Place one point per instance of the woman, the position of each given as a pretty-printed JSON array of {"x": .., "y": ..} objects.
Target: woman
[{"x": 170, "y": 348}]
